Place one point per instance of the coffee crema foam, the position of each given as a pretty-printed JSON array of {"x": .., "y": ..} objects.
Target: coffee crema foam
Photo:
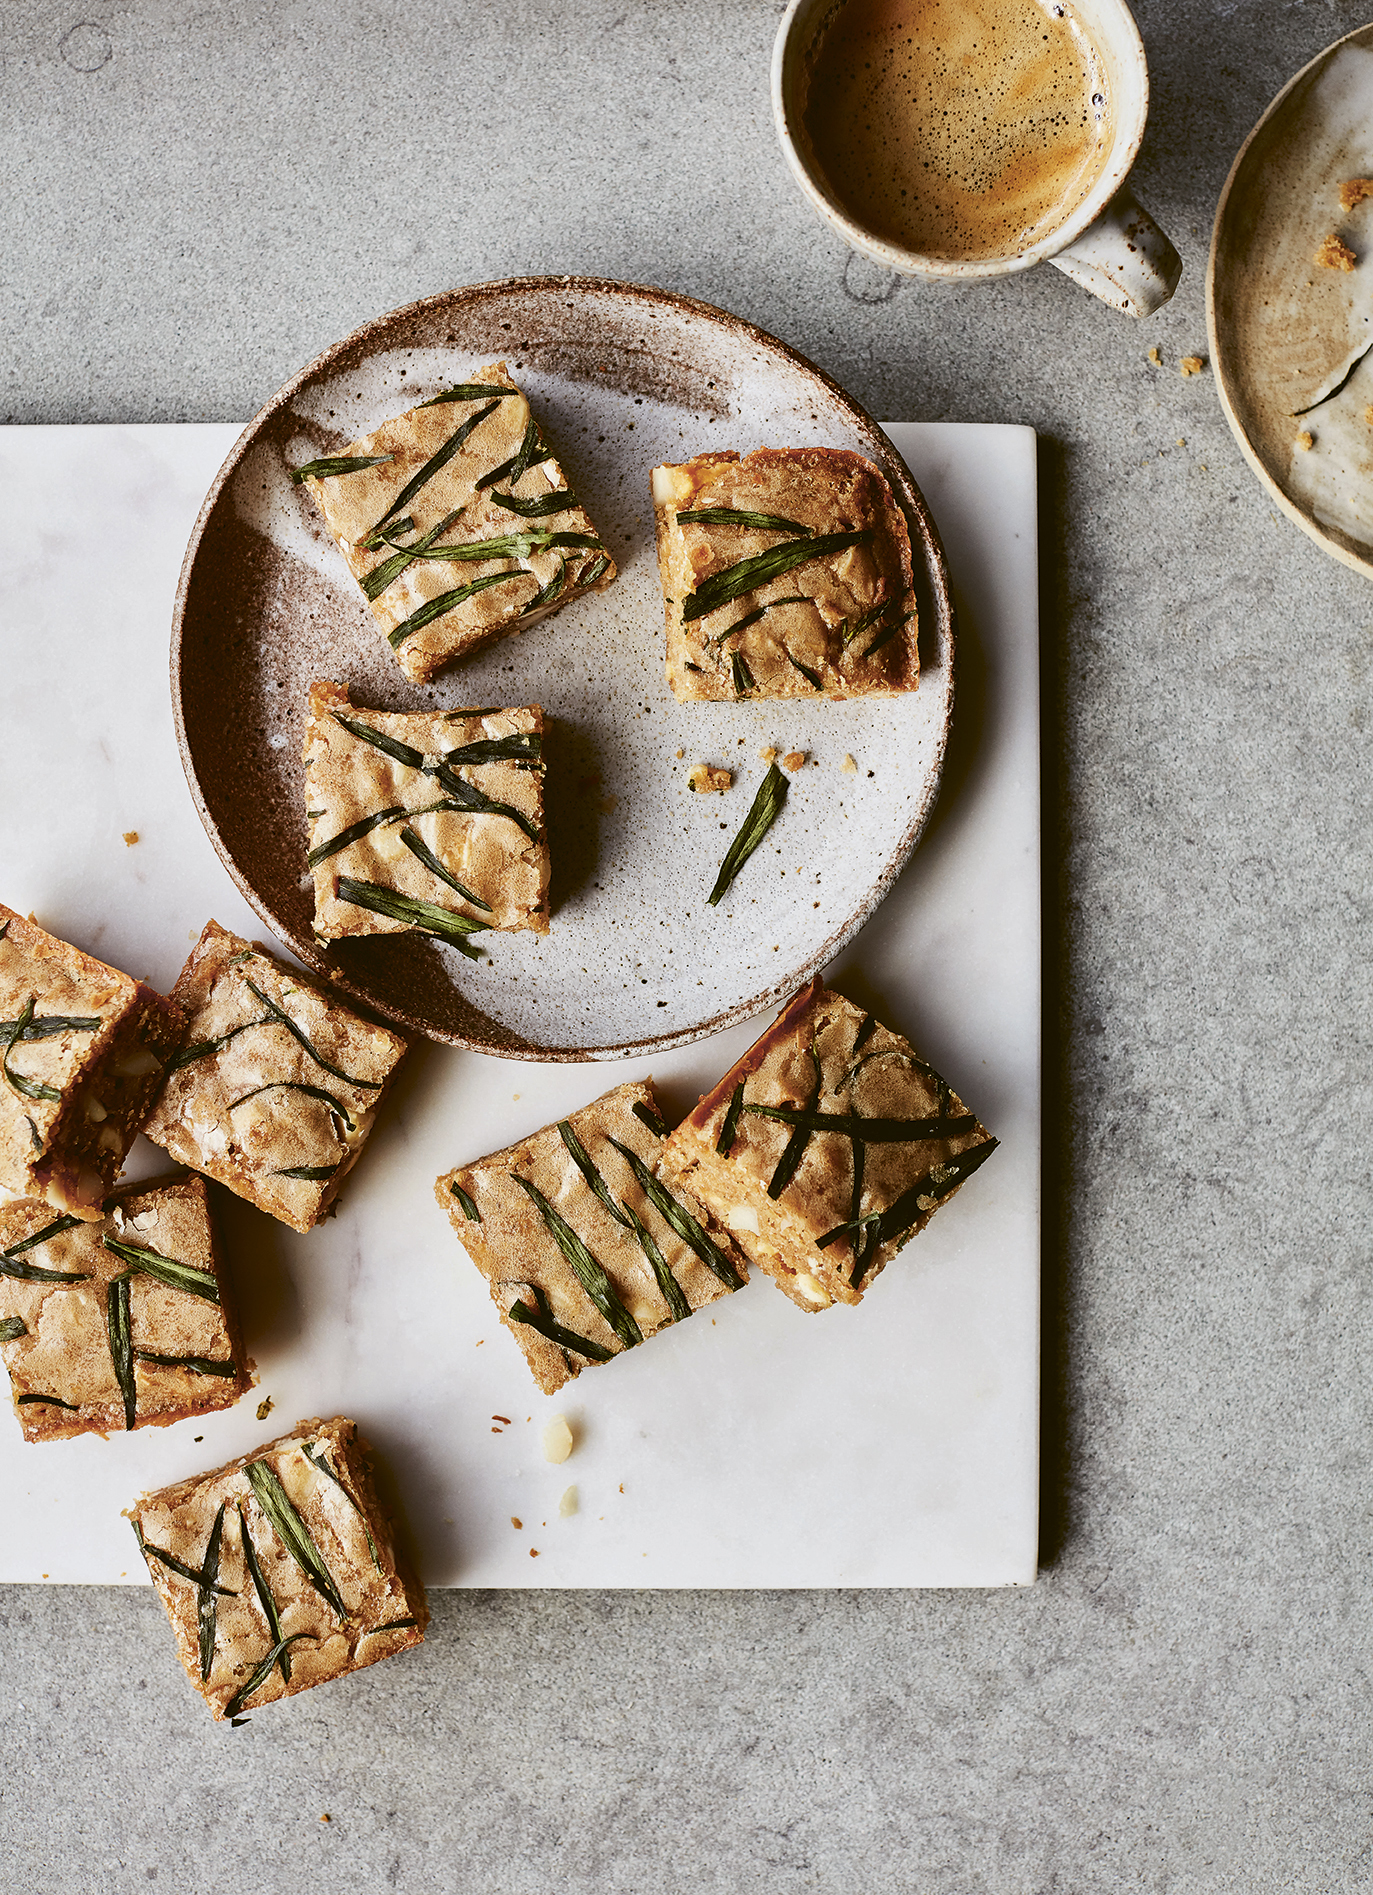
[{"x": 958, "y": 129}]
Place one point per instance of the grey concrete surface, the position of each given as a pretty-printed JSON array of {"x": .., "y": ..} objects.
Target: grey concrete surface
[{"x": 196, "y": 201}]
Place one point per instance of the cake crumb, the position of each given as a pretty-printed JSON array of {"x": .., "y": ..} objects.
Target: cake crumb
[
  {"x": 1353, "y": 191},
  {"x": 516, "y": 1523},
  {"x": 1182, "y": 440},
  {"x": 264, "y": 1408},
  {"x": 768, "y": 753},
  {"x": 130, "y": 837},
  {"x": 557, "y": 1439},
  {"x": 1306, "y": 441},
  {"x": 533, "y": 1552},
  {"x": 567, "y": 1506},
  {"x": 706, "y": 776},
  {"x": 1155, "y": 357},
  {"x": 326, "y": 1817},
  {"x": 1368, "y": 414},
  {"x": 793, "y": 759},
  {"x": 850, "y": 768},
  {"x": 1190, "y": 365},
  {"x": 680, "y": 754},
  {"x": 1334, "y": 255}
]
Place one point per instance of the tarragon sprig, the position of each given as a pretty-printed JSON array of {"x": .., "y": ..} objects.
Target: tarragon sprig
[
  {"x": 868, "y": 1131},
  {"x": 590, "y": 1273},
  {"x": 541, "y": 1319},
  {"x": 560, "y": 500},
  {"x": 196, "y": 1364},
  {"x": 293, "y": 1533},
  {"x": 386, "y": 571},
  {"x": 262, "y": 1674},
  {"x": 334, "y": 464},
  {"x": 679, "y": 1218},
  {"x": 443, "y": 769},
  {"x": 15, "y": 1030},
  {"x": 118, "y": 1331},
  {"x": 739, "y": 516},
  {"x": 425, "y": 916},
  {"x": 318, "y": 1461},
  {"x": 582, "y": 1159},
  {"x": 264, "y": 1593},
  {"x": 763, "y": 813},
  {"x": 468, "y": 391},
  {"x": 34, "y": 1273},
  {"x": 437, "y": 462},
  {"x": 667, "y": 1283},
  {"x": 746, "y": 575},
  {"x": 927, "y": 1191},
  {"x": 176, "y": 1275},
  {"x": 447, "y": 602},
  {"x": 421, "y": 851},
  {"x": 336, "y": 1106},
  {"x": 724, "y": 1144},
  {"x": 795, "y": 1149},
  {"x": 280, "y": 1015}
]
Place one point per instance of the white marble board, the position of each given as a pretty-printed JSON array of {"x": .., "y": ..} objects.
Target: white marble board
[{"x": 891, "y": 1445}]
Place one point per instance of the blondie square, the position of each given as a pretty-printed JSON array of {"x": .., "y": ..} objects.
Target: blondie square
[
  {"x": 785, "y": 574},
  {"x": 278, "y": 1083},
  {"x": 278, "y": 1571},
  {"x": 429, "y": 820},
  {"x": 826, "y": 1148},
  {"x": 124, "y": 1323},
  {"x": 82, "y": 1054},
  {"x": 457, "y": 522},
  {"x": 585, "y": 1249}
]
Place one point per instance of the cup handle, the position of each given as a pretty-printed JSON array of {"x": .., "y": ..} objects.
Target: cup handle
[{"x": 1124, "y": 258}]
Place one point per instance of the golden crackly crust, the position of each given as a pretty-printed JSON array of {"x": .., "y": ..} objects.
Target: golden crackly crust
[
  {"x": 68, "y": 1150},
  {"x": 510, "y": 1243},
  {"x": 64, "y": 1349},
  {"x": 250, "y": 1111},
  {"x": 839, "y": 626},
  {"x": 813, "y": 1238},
  {"x": 349, "y": 1533},
  {"x": 353, "y": 504},
  {"x": 348, "y": 780}
]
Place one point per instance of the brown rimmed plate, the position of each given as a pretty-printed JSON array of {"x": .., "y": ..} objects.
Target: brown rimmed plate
[
  {"x": 1290, "y": 340},
  {"x": 622, "y": 377}
]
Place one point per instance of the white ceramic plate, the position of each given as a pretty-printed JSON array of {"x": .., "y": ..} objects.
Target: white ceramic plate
[
  {"x": 1286, "y": 332},
  {"x": 621, "y": 378}
]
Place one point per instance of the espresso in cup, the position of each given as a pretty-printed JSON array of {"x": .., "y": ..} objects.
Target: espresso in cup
[{"x": 961, "y": 130}]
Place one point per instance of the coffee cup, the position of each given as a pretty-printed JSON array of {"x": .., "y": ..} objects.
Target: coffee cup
[{"x": 953, "y": 139}]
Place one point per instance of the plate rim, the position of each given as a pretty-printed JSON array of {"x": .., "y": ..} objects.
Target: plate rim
[
  {"x": 1323, "y": 536},
  {"x": 935, "y": 580}
]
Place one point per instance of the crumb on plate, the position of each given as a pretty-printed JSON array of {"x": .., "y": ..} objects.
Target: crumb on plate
[
  {"x": 1353, "y": 191},
  {"x": 1155, "y": 357},
  {"x": 130, "y": 837},
  {"x": 793, "y": 760},
  {"x": 1334, "y": 255},
  {"x": 1190, "y": 365},
  {"x": 1306, "y": 441},
  {"x": 706, "y": 777}
]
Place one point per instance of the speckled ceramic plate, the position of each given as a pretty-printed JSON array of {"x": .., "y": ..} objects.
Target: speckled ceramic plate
[
  {"x": 1286, "y": 334},
  {"x": 622, "y": 378}
]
